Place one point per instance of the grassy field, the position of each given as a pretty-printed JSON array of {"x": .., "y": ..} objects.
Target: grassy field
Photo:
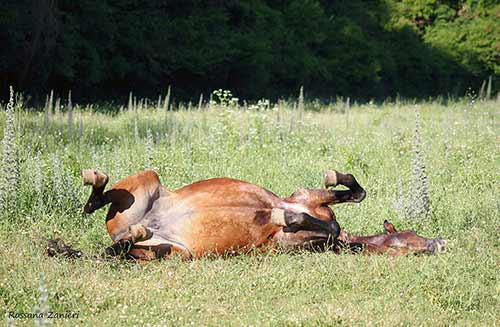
[{"x": 281, "y": 149}]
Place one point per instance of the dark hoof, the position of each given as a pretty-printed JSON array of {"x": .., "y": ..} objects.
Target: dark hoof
[
  {"x": 335, "y": 228},
  {"x": 358, "y": 196},
  {"x": 121, "y": 247}
]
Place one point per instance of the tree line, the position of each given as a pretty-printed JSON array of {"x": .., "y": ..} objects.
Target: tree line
[{"x": 102, "y": 50}]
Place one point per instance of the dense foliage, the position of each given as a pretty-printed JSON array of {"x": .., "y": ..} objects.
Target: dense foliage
[{"x": 363, "y": 49}]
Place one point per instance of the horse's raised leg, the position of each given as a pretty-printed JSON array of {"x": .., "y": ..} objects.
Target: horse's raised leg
[
  {"x": 98, "y": 181},
  {"x": 313, "y": 198},
  {"x": 333, "y": 178}
]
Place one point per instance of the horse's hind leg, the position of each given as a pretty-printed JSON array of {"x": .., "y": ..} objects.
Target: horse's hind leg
[
  {"x": 314, "y": 198},
  {"x": 293, "y": 222},
  {"x": 333, "y": 178}
]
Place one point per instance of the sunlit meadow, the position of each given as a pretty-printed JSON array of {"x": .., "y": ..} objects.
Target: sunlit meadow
[{"x": 432, "y": 167}]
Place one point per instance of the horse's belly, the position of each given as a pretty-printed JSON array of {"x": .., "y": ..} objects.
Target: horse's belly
[
  {"x": 225, "y": 229},
  {"x": 205, "y": 225},
  {"x": 227, "y": 192}
]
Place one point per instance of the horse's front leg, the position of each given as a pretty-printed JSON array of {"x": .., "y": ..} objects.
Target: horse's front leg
[
  {"x": 140, "y": 243},
  {"x": 123, "y": 246}
]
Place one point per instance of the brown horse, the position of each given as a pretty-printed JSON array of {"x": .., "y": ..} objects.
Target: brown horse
[{"x": 215, "y": 216}]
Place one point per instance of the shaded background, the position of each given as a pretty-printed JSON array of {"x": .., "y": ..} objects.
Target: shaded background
[{"x": 103, "y": 49}]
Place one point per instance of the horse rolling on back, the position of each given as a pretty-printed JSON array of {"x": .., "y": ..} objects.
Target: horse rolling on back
[{"x": 145, "y": 220}]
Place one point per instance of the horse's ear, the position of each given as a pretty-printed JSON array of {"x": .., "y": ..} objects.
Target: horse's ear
[{"x": 389, "y": 227}]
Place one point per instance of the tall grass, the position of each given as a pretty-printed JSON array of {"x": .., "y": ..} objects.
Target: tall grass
[
  {"x": 420, "y": 205},
  {"x": 42, "y": 309},
  {"x": 9, "y": 181}
]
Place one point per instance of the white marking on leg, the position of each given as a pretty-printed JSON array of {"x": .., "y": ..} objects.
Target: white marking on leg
[
  {"x": 278, "y": 217},
  {"x": 330, "y": 178}
]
